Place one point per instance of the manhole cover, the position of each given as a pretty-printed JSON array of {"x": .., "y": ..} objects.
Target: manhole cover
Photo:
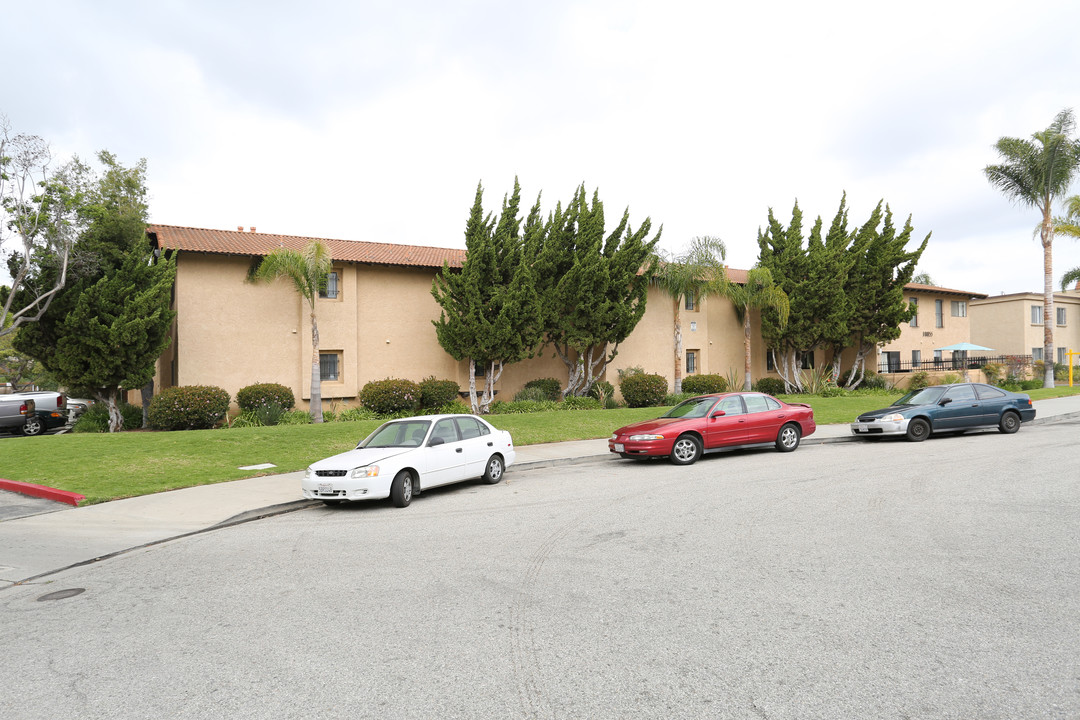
[{"x": 61, "y": 594}]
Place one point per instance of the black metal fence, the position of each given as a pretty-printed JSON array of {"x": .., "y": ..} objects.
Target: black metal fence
[{"x": 888, "y": 364}]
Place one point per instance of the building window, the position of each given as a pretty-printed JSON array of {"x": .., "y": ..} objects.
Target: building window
[
  {"x": 1061, "y": 356},
  {"x": 693, "y": 326},
  {"x": 959, "y": 308},
  {"x": 770, "y": 361},
  {"x": 937, "y": 357},
  {"x": 808, "y": 361},
  {"x": 1036, "y": 354},
  {"x": 916, "y": 359},
  {"x": 1061, "y": 316},
  {"x": 691, "y": 361},
  {"x": 329, "y": 366},
  {"x": 939, "y": 314},
  {"x": 913, "y": 303},
  {"x": 330, "y": 290},
  {"x": 1036, "y": 315},
  {"x": 691, "y": 302}
]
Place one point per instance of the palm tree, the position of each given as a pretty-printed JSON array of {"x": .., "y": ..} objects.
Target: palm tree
[
  {"x": 759, "y": 291},
  {"x": 307, "y": 269},
  {"x": 1035, "y": 173},
  {"x": 1070, "y": 225},
  {"x": 694, "y": 274}
]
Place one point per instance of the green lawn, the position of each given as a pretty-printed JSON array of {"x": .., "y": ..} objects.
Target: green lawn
[{"x": 108, "y": 467}]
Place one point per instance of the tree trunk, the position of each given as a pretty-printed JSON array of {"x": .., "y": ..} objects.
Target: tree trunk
[
  {"x": 472, "y": 387},
  {"x": 1048, "y": 302},
  {"x": 490, "y": 378},
  {"x": 747, "y": 382},
  {"x": 147, "y": 393},
  {"x": 678, "y": 348},
  {"x": 116, "y": 418},
  {"x": 316, "y": 375}
]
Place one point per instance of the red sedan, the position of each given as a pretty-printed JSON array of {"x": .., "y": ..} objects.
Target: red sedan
[{"x": 711, "y": 422}]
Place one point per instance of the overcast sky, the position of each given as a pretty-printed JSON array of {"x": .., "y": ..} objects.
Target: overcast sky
[{"x": 375, "y": 120}]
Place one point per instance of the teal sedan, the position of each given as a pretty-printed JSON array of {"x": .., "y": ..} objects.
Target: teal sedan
[{"x": 947, "y": 408}]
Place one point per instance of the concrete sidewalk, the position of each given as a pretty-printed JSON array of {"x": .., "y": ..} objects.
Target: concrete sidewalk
[{"x": 50, "y": 541}]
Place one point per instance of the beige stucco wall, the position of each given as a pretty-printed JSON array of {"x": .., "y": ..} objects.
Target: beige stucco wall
[
  {"x": 231, "y": 333},
  {"x": 927, "y": 337},
  {"x": 1003, "y": 322}
]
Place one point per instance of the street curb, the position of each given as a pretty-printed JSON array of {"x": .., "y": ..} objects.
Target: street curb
[{"x": 42, "y": 491}]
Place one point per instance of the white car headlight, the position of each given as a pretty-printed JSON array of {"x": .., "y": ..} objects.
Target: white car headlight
[
  {"x": 308, "y": 473},
  {"x": 646, "y": 437},
  {"x": 369, "y": 471},
  {"x": 894, "y": 417}
]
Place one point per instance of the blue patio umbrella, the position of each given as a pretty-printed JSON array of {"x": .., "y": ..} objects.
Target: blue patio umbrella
[{"x": 964, "y": 347}]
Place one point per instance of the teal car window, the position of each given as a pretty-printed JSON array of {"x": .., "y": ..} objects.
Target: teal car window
[{"x": 961, "y": 393}]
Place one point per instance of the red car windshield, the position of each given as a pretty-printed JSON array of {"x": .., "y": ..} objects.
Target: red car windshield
[{"x": 693, "y": 408}]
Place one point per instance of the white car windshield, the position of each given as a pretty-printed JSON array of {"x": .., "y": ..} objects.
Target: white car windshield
[{"x": 409, "y": 433}]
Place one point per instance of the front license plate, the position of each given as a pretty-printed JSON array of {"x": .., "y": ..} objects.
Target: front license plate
[
  {"x": 325, "y": 488},
  {"x": 860, "y": 428},
  {"x": 619, "y": 447}
]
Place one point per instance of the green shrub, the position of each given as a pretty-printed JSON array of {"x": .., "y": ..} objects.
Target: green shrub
[
  {"x": 770, "y": 386},
  {"x": 188, "y": 407},
  {"x": 436, "y": 393},
  {"x": 627, "y": 372},
  {"x": 521, "y": 407},
  {"x": 643, "y": 390},
  {"x": 602, "y": 390},
  {"x": 1026, "y": 385},
  {"x": 259, "y": 395},
  {"x": 704, "y": 384},
  {"x": 551, "y": 387},
  {"x": 457, "y": 406},
  {"x": 356, "y": 414},
  {"x": 833, "y": 391},
  {"x": 96, "y": 418},
  {"x": 580, "y": 403},
  {"x": 871, "y": 381},
  {"x": 534, "y": 394},
  {"x": 919, "y": 380},
  {"x": 993, "y": 372},
  {"x": 676, "y": 398},
  {"x": 949, "y": 379},
  {"x": 390, "y": 396},
  {"x": 295, "y": 417}
]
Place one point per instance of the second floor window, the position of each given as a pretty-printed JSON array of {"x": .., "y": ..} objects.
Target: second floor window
[
  {"x": 959, "y": 308},
  {"x": 1060, "y": 316},
  {"x": 913, "y": 303},
  {"x": 691, "y": 302},
  {"x": 330, "y": 291},
  {"x": 939, "y": 314},
  {"x": 1036, "y": 315}
]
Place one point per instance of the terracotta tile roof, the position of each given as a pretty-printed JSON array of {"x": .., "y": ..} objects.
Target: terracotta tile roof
[
  {"x": 943, "y": 291},
  {"x": 235, "y": 242}
]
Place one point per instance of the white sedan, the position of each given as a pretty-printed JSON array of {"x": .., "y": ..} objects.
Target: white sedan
[{"x": 403, "y": 457}]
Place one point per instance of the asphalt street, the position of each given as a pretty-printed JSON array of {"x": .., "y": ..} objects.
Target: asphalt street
[{"x": 846, "y": 580}]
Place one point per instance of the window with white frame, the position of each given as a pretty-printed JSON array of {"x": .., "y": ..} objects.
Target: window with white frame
[
  {"x": 1060, "y": 316},
  {"x": 1036, "y": 354},
  {"x": 959, "y": 308},
  {"x": 1061, "y": 356},
  {"x": 1036, "y": 315},
  {"x": 939, "y": 314},
  {"x": 913, "y": 303}
]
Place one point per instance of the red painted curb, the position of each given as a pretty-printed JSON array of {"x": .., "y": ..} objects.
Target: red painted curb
[{"x": 42, "y": 492}]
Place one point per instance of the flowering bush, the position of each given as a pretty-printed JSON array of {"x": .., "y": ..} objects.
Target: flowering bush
[
  {"x": 188, "y": 407},
  {"x": 390, "y": 396},
  {"x": 259, "y": 395}
]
